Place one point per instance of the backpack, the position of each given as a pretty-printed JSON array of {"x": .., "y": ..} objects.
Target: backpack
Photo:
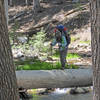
[
  {"x": 61, "y": 29},
  {"x": 68, "y": 38}
]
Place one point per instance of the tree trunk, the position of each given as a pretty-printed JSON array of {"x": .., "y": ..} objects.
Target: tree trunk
[
  {"x": 26, "y": 2},
  {"x": 36, "y": 6},
  {"x": 54, "y": 78},
  {"x": 6, "y": 10},
  {"x": 10, "y": 3},
  {"x": 95, "y": 37},
  {"x": 8, "y": 86}
]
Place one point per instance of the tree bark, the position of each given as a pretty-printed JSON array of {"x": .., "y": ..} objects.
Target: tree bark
[
  {"x": 8, "y": 86},
  {"x": 54, "y": 78},
  {"x": 26, "y": 2},
  {"x": 10, "y": 3},
  {"x": 36, "y": 6},
  {"x": 95, "y": 37},
  {"x": 6, "y": 10}
]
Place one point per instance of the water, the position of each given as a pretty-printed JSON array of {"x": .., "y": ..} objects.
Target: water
[
  {"x": 60, "y": 91},
  {"x": 60, "y": 94},
  {"x": 87, "y": 96}
]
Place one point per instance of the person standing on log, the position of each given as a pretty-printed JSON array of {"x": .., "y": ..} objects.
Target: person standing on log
[{"x": 63, "y": 39}]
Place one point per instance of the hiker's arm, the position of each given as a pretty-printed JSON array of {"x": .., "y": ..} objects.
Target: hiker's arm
[{"x": 54, "y": 42}]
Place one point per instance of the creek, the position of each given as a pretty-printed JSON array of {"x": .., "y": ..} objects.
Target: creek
[{"x": 60, "y": 94}]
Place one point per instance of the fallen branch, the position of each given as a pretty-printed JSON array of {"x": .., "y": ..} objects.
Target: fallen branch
[
  {"x": 44, "y": 23},
  {"x": 16, "y": 16},
  {"x": 77, "y": 9}
]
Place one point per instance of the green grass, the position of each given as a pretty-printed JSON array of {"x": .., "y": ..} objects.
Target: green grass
[
  {"x": 86, "y": 42},
  {"x": 35, "y": 65},
  {"x": 69, "y": 55},
  {"x": 72, "y": 55},
  {"x": 39, "y": 65},
  {"x": 71, "y": 66},
  {"x": 73, "y": 39}
]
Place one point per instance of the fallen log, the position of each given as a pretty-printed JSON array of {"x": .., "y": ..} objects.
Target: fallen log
[
  {"x": 83, "y": 7},
  {"x": 16, "y": 16},
  {"x": 54, "y": 78},
  {"x": 44, "y": 23}
]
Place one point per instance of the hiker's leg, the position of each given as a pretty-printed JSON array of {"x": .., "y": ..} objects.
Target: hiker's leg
[
  {"x": 63, "y": 57},
  {"x": 66, "y": 54}
]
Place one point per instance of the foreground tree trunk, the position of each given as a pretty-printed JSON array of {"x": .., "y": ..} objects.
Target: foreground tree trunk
[
  {"x": 95, "y": 37},
  {"x": 6, "y": 10},
  {"x": 8, "y": 86}
]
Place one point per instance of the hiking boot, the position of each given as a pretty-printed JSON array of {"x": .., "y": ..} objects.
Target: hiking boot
[{"x": 62, "y": 68}]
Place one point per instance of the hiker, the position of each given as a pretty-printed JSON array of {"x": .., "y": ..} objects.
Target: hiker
[{"x": 63, "y": 40}]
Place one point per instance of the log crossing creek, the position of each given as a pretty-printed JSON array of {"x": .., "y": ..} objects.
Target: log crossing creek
[{"x": 54, "y": 78}]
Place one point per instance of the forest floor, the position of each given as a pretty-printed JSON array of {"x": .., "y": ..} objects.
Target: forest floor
[{"x": 52, "y": 14}]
